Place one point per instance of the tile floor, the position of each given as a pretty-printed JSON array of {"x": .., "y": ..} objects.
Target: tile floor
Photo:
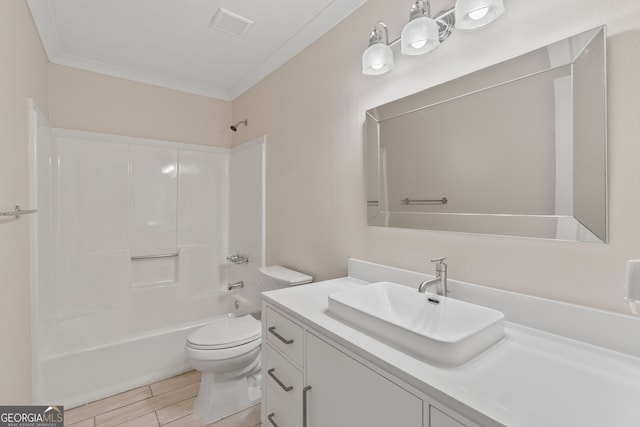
[{"x": 165, "y": 403}]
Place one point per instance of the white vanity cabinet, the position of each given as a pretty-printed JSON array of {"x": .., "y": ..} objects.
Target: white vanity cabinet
[
  {"x": 340, "y": 391},
  {"x": 309, "y": 381}
]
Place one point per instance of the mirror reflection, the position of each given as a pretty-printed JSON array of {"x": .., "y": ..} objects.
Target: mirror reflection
[{"x": 515, "y": 149}]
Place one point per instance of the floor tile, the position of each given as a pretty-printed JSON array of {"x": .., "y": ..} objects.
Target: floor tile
[
  {"x": 151, "y": 404},
  {"x": 175, "y": 411},
  {"x": 164, "y": 403},
  {"x": 175, "y": 382},
  {"x": 188, "y": 421},
  {"x": 92, "y": 409},
  {"x": 149, "y": 420},
  {"x": 86, "y": 423}
]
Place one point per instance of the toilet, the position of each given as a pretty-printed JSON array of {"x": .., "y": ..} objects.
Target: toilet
[{"x": 227, "y": 352}]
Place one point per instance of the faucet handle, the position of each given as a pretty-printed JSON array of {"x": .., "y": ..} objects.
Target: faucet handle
[{"x": 439, "y": 260}]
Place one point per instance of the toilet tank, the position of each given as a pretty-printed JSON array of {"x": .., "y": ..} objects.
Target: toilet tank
[{"x": 275, "y": 277}]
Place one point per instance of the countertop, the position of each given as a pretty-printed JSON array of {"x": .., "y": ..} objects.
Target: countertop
[{"x": 529, "y": 378}]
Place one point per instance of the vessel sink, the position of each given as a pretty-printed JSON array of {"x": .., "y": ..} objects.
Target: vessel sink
[{"x": 436, "y": 328}]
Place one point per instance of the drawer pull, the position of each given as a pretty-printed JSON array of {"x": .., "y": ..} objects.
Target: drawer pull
[
  {"x": 270, "y": 418},
  {"x": 280, "y": 337},
  {"x": 276, "y": 379},
  {"x": 304, "y": 405}
]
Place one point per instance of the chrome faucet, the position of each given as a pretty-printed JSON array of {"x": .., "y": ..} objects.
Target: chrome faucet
[
  {"x": 440, "y": 281},
  {"x": 235, "y": 285}
]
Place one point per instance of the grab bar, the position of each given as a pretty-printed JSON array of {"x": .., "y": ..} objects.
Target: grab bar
[
  {"x": 17, "y": 212},
  {"x": 136, "y": 258},
  {"x": 408, "y": 201}
]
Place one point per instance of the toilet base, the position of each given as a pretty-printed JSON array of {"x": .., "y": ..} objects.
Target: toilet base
[{"x": 219, "y": 397}]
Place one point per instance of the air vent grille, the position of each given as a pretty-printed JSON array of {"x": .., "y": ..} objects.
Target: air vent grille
[{"x": 230, "y": 23}]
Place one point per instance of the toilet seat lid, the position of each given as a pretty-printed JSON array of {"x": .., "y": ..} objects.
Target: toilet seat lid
[{"x": 226, "y": 332}]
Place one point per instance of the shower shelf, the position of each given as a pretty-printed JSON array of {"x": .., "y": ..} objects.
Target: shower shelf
[{"x": 238, "y": 259}]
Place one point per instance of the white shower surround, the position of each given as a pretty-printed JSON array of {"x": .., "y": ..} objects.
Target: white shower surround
[{"x": 103, "y": 323}]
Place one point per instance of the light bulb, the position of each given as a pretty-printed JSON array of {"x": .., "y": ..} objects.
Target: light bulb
[
  {"x": 478, "y": 13},
  {"x": 417, "y": 44},
  {"x": 472, "y": 14}
]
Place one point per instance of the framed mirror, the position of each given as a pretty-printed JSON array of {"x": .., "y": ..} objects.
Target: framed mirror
[{"x": 516, "y": 149}]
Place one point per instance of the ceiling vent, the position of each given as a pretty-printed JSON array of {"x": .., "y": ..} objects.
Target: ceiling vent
[{"x": 230, "y": 23}]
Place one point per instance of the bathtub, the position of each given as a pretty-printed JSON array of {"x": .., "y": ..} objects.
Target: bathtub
[{"x": 76, "y": 367}]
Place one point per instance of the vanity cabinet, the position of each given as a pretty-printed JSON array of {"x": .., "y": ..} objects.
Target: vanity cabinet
[
  {"x": 343, "y": 392},
  {"x": 308, "y": 381}
]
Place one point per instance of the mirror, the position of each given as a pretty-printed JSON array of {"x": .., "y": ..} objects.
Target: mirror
[{"x": 516, "y": 149}]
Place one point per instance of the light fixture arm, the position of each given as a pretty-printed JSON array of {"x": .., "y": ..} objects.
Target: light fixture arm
[
  {"x": 376, "y": 34},
  {"x": 420, "y": 8}
]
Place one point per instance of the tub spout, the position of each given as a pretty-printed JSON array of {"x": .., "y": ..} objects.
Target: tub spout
[{"x": 232, "y": 286}]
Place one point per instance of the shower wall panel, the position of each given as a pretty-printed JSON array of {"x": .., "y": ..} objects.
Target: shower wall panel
[
  {"x": 121, "y": 198},
  {"x": 154, "y": 200},
  {"x": 92, "y": 239},
  {"x": 111, "y": 321}
]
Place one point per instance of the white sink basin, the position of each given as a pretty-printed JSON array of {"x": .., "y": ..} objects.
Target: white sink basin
[{"x": 449, "y": 332}]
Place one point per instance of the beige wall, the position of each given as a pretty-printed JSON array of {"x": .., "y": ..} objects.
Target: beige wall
[
  {"x": 71, "y": 99},
  {"x": 23, "y": 75},
  {"x": 94, "y": 102},
  {"x": 312, "y": 111}
]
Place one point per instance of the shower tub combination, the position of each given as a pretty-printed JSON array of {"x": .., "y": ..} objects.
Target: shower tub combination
[{"x": 130, "y": 255}]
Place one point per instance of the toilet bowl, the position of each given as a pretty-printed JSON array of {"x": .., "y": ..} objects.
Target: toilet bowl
[{"x": 227, "y": 352}]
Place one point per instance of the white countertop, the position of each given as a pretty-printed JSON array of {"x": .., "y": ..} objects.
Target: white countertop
[{"x": 530, "y": 378}]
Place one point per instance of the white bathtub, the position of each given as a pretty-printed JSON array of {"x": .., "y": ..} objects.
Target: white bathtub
[{"x": 75, "y": 368}]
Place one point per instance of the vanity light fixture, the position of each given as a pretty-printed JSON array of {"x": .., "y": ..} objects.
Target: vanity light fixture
[
  {"x": 378, "y": 58},
  {"x": 420, "y": 34},
  {"x": 423, "y": 33}
]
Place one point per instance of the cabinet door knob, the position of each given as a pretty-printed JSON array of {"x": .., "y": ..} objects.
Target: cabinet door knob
[
  {"x": 270, "y": 418},
  {"x": 272, "y": 329},
  {"x": 304, "y": 405},
  {"x": 276, "y": 379}
]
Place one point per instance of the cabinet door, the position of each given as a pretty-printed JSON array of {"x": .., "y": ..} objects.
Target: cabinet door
[
  {"x": 345, "y": 393},
  {"x": 438, "y": 418}
]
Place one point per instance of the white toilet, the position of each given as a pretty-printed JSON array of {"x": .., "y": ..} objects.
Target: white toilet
[{"x": 227, "y": 352}]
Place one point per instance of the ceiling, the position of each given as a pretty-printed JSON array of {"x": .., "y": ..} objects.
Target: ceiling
[{"x": 170, "y": 43}]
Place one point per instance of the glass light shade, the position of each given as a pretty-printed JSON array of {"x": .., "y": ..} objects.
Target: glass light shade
[
  {"x": 419, "y": 36},
  {"x": 377, "y": 59},
  {"x": 472, "y": 14}
]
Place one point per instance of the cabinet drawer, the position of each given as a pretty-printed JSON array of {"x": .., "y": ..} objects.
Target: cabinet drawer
[
  {"x": 285, "y": 335},
  {"x": 283, "y": 390}
]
